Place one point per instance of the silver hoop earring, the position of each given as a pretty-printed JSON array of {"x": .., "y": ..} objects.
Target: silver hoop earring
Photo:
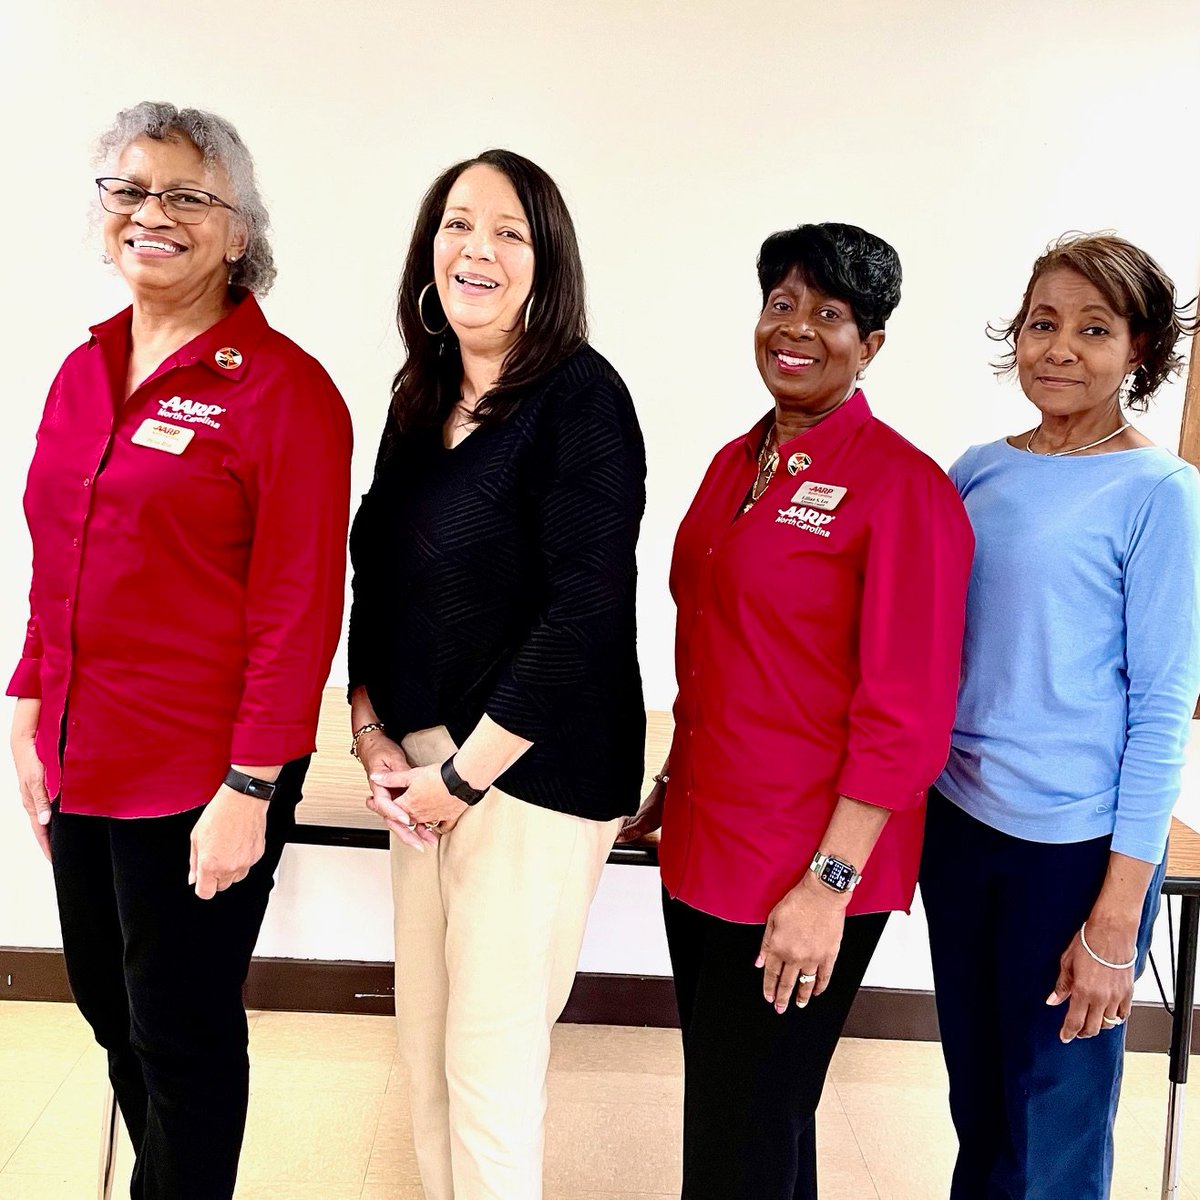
[
  {"x": 421, "y": 313},
  {"x": 528, "y": 311}
]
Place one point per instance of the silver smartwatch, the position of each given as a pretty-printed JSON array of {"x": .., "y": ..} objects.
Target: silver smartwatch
[{"x": 834, "y": 873}]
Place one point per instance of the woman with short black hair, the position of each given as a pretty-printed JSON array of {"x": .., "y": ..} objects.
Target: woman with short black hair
[
  {"x": 496, "y": 700},
  {"x": 819, "y": 576},
  {"x": 1047, "y": 830}
]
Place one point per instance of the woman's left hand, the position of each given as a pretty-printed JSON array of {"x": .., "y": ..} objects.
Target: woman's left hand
[
  {"x": 801, "y": 943},
  {"x": 1096, "y": 991},
  {"x": 425, "y": 801},
  {"x": 227, "y": 841}
]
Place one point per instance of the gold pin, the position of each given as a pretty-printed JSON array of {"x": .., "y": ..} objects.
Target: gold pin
[
  {"x": 797, "y": 463},
  {"x": 229, "y": 358}
]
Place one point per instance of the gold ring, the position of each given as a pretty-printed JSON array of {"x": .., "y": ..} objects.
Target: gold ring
[
  {"x": 1113, "y": 1020},
  {"x": 806, "y": 979}
]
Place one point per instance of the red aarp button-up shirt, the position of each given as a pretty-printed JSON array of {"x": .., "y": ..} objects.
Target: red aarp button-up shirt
[
  {"x": 817, "y": 653},
  {"x": 188, "y": 565}
]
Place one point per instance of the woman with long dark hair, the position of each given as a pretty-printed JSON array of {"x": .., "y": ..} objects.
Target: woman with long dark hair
[{"x": 496, "y": 701}]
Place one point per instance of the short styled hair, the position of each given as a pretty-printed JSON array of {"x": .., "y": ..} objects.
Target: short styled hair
[
  {"x": 219, "y": 143},
  {"x": 427, "y": 385},
  {"x": 843, "y": 261},
  {"x": 1134, "y": 286}
]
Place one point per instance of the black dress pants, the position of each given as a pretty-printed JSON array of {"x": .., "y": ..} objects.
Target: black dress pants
[
  {"x": 753, "y": 1077},
  {"x": 158, "y": 975}
]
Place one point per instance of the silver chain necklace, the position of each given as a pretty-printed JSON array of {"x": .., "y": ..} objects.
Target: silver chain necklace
[{"x": 1075, "y": 449}]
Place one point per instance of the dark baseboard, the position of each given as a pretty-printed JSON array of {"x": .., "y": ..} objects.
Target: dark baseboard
[{"x": 308, "y": 985}]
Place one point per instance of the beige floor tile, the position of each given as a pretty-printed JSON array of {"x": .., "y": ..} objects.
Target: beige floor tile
[
  {"x": 40, "y": 1041},
  {"x": 275, "y": 1189},
  {"x": 603, "y": 1047},
  {"x": 397, "y": 1076},
  {"x": 617, "y": 1086},
  {"x": 321, "y": 1052},
  {"x": 889, "y": 1133},
  {"x": 841, "y": 1169},
  {"x": 384, "y": 1190},
  {"x": 21, "y": 1104},
  {"x": 601, "y": 1145},
  {"x": 393, "y": 1159},
  {"x": 858, "y": 1060},
  {"x": 309, "y": 1136},
  {"x": 45, "y": 1187},
  {"x": 65, "y": 1138},
  {"x": 553, "y": 1194}
]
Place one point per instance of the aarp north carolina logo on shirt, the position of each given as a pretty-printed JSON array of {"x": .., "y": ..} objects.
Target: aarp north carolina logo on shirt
[
  {"x": 811, "y": 520},
  {"x": 192, "y": 412}
]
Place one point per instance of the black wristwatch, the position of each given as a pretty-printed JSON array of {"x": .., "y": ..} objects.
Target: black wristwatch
[
  {"x": 457, "y": 786},
  {"x": 834, "y": 872},
  {"x": 260, "y": 789}
]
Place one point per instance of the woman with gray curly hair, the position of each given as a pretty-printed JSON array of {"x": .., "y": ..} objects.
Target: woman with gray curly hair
[{"x": 187, "y": 503}]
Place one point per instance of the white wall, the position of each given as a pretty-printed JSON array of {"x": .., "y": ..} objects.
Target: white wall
[{"x": 681, "y": 133}]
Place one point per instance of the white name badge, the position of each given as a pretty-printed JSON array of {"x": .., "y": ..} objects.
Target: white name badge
[
  {"x": 162, "y": 435},
  {"x": 819, "y": 495}
]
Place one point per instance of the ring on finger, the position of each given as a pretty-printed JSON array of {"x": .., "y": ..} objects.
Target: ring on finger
[
  {"x": 433, "y": 826},
  {"x": 1113, "y": 1021},
  {"x": 806, "y": 979}
]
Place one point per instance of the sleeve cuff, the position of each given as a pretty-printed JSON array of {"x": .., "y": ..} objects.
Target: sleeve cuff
[
  {"x": 1136, "y": 847},
  {"x": 268, "y": 745},
  {"x": 26, "y": 682},
  {"x": 879, "y": 791}
]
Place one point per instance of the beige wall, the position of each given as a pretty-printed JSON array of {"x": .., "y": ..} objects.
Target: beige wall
[{"x": 681, "y": 133}]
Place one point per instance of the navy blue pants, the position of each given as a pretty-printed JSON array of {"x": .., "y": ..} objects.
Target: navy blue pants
[
  {"x": 158, "y": 975},
  {"x": 1034, "y": 1117}
]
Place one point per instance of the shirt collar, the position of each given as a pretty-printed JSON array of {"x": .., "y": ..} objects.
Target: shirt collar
[
  {"x": 821, "y": 439},
  {"x": 234, "y": 338}
]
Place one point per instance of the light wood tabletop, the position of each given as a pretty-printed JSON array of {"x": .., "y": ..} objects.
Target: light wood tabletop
[
  {"x": 1183, "y": 860},
  {"x": 336, "y": 789}
]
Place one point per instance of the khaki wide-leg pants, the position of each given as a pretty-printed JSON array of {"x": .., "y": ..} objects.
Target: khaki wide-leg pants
[{"x": 488, "y": 931}]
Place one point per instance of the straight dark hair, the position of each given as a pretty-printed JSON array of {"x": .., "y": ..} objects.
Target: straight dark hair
[{"x": 428, "y": 385}]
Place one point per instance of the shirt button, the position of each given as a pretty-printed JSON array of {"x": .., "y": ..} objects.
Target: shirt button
[
  {"x": 87, "y": 479},
  {"x": 709, "y": 550},
  {"x": 74, "y": 541}
]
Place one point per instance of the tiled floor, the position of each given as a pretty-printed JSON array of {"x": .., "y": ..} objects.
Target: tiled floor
[{"x": 328, "y": 1119}]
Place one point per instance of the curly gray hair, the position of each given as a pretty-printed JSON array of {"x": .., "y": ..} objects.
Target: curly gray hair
[{"x": 219, "y": 143}]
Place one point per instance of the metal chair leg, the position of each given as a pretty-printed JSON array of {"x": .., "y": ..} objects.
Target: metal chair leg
[{"x": 108, "y": 1144}]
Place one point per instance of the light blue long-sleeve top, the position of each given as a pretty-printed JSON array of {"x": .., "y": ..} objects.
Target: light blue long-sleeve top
[{"x": 1081, "y": 663}]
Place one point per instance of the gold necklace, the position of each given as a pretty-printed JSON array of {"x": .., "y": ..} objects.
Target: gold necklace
[
  {"x": 768, "y": 464},
  {"x": 1075, "y": 449}
]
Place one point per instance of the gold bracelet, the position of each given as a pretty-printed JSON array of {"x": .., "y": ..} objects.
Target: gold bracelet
[{"x": 370, "y": 727}]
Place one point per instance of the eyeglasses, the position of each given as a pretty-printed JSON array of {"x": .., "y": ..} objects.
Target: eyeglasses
[{"x": 189, "y": 206}]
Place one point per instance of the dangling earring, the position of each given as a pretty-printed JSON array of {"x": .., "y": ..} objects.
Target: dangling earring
[
  {"x": 1125, "y": 392},
  {"x": 421, "y": 313},
  {"x": 528, "y": 311},
  {"x": 106, "y": 258}
]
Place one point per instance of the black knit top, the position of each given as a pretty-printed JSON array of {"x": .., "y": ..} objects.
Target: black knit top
[{"x": 499, "y": 577}]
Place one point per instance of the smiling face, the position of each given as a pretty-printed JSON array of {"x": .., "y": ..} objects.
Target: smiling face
[
  {"x": 808, "y": 347},
  {"x": 1073, "y": 350},
  {"x": 155, "y": 254},
  {"x": 483, "y": 258}
]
